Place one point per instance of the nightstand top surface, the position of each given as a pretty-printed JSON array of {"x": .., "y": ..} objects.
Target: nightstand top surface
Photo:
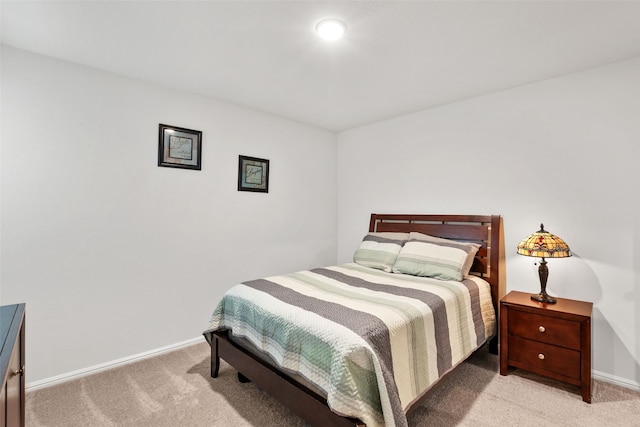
[{"x": 580, "y": 308}]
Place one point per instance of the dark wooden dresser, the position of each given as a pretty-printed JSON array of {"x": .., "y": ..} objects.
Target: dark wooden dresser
[
  {"x": 12, "y": 365},
  {"x": 553, "y": 340}
]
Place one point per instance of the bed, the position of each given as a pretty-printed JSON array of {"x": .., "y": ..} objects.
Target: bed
[{"x": 361, "y": 343}]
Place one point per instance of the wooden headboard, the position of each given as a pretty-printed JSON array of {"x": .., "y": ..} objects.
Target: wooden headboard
[{"x": 485, "y": 230}]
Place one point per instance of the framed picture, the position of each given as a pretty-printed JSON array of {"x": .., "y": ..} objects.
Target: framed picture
[
  {"x": 253, "y": 174},
  {"x": 179, "y": 147}
]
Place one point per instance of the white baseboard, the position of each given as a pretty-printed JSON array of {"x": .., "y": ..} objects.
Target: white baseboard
[
  {"x": 622, "y": 382},
  {"x": 47, "y": 382}
]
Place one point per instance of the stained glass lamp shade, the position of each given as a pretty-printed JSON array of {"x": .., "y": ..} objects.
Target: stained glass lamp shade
[{"x": 543, "y": 244}]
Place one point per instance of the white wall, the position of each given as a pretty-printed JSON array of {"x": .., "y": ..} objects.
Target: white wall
[
  {"x": 563, "y": 151},
  {"x": 115, "y": 256}
]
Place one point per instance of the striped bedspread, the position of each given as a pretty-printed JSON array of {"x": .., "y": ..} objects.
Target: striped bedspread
[{"x": 372, "y": 341}]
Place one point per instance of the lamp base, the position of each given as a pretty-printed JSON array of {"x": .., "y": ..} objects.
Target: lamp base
[{"x": 544, "y": 298}]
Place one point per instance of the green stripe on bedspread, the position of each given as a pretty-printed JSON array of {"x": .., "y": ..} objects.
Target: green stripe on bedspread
[
  {"x": 303, "y": 348},
  {"x": 373, "y": 341}
]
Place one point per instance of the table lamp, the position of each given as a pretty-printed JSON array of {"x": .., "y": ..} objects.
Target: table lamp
[{"x": 543, "y": 244}]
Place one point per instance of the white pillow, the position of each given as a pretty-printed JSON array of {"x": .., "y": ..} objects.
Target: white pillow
[
  {"x": 470, "y": 248},
  {"x": 378, "y": 251},
  {"x": 420, "y": 258}
]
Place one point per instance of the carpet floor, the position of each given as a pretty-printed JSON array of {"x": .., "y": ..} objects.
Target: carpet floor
[{"x": 175, "y": 389}]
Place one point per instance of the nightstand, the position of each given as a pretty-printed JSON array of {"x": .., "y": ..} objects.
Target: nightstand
[{"x": 553, "y": 340}]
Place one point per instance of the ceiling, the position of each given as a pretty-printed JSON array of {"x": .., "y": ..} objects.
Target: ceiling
[{"x": 397, "y": 57}]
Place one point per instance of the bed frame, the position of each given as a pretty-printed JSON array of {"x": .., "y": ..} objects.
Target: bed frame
[{"x": 489, "y": 264}]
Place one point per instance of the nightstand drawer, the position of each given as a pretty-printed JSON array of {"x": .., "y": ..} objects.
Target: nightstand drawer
[
  {"x": 536, "y": 355},
  {"x": 565, "y": 333}
]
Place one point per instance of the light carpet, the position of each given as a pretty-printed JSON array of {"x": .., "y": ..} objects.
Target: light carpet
[{"x": 175, "y": 389}]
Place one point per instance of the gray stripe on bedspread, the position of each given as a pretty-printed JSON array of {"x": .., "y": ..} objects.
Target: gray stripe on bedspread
[
  {"x": 369, "y": 327},
  {"x": 435, "y": 303},
  {"x": 474, "y": 294}
]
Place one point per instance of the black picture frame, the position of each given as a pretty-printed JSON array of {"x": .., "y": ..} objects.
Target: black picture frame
[
  {"x": 179, "y": 147},
  {"x": 253, "y": 174}
]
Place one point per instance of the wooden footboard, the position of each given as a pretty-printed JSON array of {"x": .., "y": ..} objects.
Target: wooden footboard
[{"x": 299, "y": 399}]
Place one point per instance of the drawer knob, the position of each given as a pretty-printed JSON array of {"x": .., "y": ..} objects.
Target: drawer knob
[
  {"x": 541, "y": 328},
  {"x": 541, "y": 356}
]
